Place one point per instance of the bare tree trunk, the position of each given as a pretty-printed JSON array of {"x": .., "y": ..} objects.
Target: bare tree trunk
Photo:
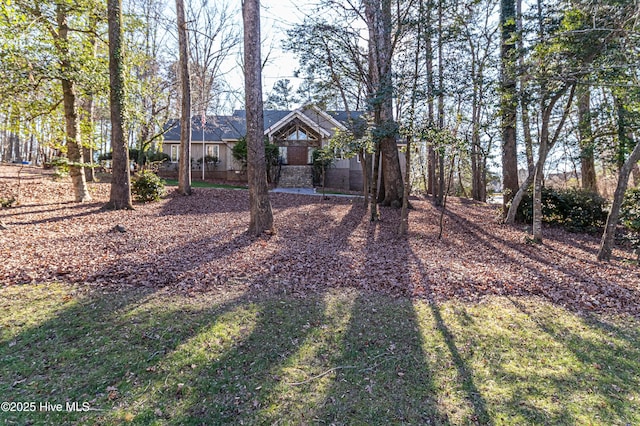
[
  {"x": 81, "y": 192},
  {"x": 431, "y": 170},
  {"x": 120, "y": 195},
  {"x": 524, "y": 94},
  {"x": 365, "y": 164},
  {"x": 606, "y": 244},
  {"x": 89, "y": 109},
  {"x": 431, "y": 156},
  {"x": 375, "y": 216},
  {"x": 184, "y": 168},
  {"x": 508, "y": 100},
  {"x": 6, "y": 140},
  {"x": 378, "y": 16},
  {"x": 261, "y": 216},
  {"x": 14, "y": 138},
  {"x": 439, "y": 199},
  {"x": 536, "y": 228},
  {"x": 87, "y": 149},
  {"x": 587, "y": 161},
  {"x": 441, "y": 180},
  {"x": 404, "y": 216}
]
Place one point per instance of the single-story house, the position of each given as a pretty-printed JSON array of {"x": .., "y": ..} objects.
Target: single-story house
[{"x": 297, "y": 133}]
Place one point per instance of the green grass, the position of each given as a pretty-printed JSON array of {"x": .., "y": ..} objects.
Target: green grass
[
  {"x": 341, "y": 357},
  {"x": 201, "y": 184}
]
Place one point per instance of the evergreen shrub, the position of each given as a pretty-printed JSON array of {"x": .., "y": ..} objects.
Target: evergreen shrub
[
  {"x": 630, "y": 218},
  {"x": 576, "y": 210},
  {"x": 147, "y": 186}
]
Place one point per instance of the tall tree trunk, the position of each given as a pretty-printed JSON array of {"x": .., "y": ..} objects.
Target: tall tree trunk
[
  {"x": 6, "y": 140},
  {"x": 478, "y": 159},
  {"x": 606, "y": 244},
  {"x": 536, "y": 228},
  {"x": 184, "y": 165},
  {"x": 89, "y": 107},
  {"x": 87, "y": 146},
  {"x": 587, "y": 160},
  {"x": 441, "y": 179},
  {"x": 261, "y": 216},
  {"x": 476, "y": 150},
  {"x": 431, "y": 154},
  {"x": 508, "y": 100},
  {"x": 524, "y": 91},
  {"x": 404, "y": 216},
  {"x": 120, "y": 194},
  {"x": 365, "y": 165},
  {"x": 14, "y": 138},
  {"x": 72, "y": 124},
  {"x": 378, "y": 15},
  {"x": 517, "y": 198},
  {"x": 375, "y": 216},
  {"x": 439, "y": 199},
  {"x": 431, "y": 170}
]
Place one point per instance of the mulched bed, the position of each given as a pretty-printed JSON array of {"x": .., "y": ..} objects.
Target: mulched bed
[{"x": 198, "y": 243}]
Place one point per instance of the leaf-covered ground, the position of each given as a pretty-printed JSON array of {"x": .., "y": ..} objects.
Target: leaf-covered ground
[{"x": 198, "y": 244}]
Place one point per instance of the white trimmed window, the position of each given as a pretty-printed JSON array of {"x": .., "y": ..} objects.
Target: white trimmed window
[
  {"x": 213, "y": 151},
  {"x": 175, "y": 153}
]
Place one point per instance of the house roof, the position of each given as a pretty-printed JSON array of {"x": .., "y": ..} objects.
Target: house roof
[
  {"x": 302, "y": 117},
  {"x": 234, "y": 127}
]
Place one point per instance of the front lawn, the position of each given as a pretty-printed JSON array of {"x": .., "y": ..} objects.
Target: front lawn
[{"x": 341, "y": 357}]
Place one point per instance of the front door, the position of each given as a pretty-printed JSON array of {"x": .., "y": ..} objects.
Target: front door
[{"x": 297, "y": 155}]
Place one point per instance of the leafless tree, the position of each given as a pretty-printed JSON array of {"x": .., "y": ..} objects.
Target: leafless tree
[{"x": 261, "y": 216}]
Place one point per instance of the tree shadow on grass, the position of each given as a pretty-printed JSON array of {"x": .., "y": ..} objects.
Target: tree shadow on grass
[
  {"x": 96, "y": 349},
  {"x": 382, "y": 375},
  {"x": 547, "y": 365},
  {"x": 477, "y": 412},
  {"x": 239, "y": 383},
  {"x": 607, "y": 359}
]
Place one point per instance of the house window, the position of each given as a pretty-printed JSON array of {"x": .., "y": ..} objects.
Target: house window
[
  {"x": 282, "y": 154},
  {"x": 297, "y": 135},
  {"x": 310, "y": 155},
  {"x": 213, "y": 151},
  {"x": 175, "y": 153}
]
